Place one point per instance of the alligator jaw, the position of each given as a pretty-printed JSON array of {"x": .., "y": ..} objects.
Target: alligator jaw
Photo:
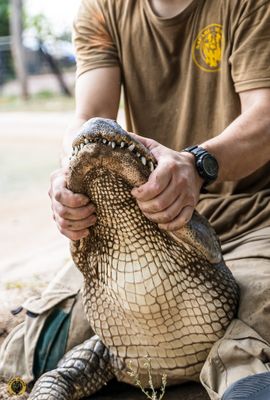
[{"x": 108, "y": 133}]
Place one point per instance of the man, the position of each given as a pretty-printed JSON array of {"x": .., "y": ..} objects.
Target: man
[{"x": 194, "y": 73}]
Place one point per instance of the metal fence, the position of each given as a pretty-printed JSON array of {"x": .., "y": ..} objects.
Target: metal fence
[{"x": 6, "y": 67}]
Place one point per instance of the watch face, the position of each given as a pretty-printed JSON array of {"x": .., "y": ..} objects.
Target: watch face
[{"x": 210, "y": 166}]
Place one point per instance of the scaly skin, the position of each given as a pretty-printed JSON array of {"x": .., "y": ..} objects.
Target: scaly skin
[{"x": 147, "y": 292}]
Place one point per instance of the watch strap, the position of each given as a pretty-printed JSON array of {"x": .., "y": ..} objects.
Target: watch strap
[{"x": 196, "y": 150}]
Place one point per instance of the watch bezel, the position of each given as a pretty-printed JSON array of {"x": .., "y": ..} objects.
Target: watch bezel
[
  {"x": 200, "y": 154},
  {"x": 202, "y": 167}
]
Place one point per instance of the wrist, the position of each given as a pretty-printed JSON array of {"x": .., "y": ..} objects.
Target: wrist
[
  {"x": 205, "y": 163},
  {"x": 197, "y": 179}
]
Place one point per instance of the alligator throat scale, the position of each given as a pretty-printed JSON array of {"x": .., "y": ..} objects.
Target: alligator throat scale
[{"x": 147, "y": 292}]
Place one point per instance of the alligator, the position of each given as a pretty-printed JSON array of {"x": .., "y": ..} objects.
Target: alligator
[{"x": 148, "y": 293}]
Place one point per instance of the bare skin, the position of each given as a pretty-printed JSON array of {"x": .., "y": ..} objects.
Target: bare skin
[
  {"x": 172, "y": 191},
  {"x": 168, "y": 9}
]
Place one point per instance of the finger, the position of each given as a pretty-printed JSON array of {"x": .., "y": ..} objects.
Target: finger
[
  {"x": 72, "y": 225},
  {"x": 161, "y": 202},
  {"x": 182, "y": 219},
  {"x": 156, "y": 184},
  {"x": 65, "y": 196},
  {"x": 74, "y": 235},
  {"x": 169, "y": 214},
  {"x": 69, "y": 199},
  {"x": 148, "y": 143},
  {"x": 73, "y": 213}
]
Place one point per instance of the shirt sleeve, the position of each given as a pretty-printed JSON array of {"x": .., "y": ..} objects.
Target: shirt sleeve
[
  {"x": 250, "y": 57},
  {"x": 93, "y": 43}
]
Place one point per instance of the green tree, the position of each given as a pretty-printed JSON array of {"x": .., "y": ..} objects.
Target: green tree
[
  {"x": 40, "y": 24},
  {"x": 4, "y": 18}
]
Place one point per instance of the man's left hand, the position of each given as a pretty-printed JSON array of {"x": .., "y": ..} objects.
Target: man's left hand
[{"x": 172, "y": 191}]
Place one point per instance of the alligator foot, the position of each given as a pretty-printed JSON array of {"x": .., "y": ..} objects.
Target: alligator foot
[{"x": 80, "y": 373}]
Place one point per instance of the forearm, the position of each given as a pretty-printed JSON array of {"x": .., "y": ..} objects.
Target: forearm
[
  {"x": 97, "y": 95},
  {"x": 244, "y": 145}
]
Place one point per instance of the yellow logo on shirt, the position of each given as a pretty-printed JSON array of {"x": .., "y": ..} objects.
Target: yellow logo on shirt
[{"x": 207, "y": 48}]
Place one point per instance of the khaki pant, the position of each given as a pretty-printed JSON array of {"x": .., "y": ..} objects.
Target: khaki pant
[{"x": 244, "y": 350}]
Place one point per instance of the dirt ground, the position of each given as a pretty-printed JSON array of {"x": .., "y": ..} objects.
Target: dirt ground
[
  {"x": 29, "y": 147},
  {"x": 31, "y": 248}
]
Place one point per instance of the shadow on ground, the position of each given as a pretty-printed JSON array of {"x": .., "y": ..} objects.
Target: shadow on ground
[{"x": 121, "y": 391}]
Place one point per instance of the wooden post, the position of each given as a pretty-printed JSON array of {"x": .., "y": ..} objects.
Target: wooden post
[{"x": 16, "y": 29}]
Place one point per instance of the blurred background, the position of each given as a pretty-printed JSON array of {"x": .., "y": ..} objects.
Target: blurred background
[
  {"x": 37, "y": 74},
  {"x": 37, "y": 59}
]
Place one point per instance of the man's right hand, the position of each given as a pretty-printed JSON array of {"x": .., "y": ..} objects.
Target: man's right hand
[{"x": 73, "y": 213}]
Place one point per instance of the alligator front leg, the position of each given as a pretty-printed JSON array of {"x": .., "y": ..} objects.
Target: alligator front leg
[{"x": 81, "y": 372}]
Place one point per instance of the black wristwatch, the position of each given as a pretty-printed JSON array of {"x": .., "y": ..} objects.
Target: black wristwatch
[{"x": 206, "y": 163}]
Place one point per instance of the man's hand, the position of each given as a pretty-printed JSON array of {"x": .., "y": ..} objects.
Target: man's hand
[
  {"x": 73, "y": 213},
  {"x": 172, "y": 191}
]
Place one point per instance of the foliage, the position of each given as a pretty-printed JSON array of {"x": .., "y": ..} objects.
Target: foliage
[
  {"x": 4, "y": 18},
  {"x": 153, "y": 394},
  {"x": 42, "y": 28},
  {"x": 40, "y": 24}
]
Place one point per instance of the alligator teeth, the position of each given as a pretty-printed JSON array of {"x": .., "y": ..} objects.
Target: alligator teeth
[
  {"x": 76, "y": 150},
  {"x": 86, "y": 141},
  {"x": 143, "y": 160},
  {"x": 104, "y": 141},
  {"x": 113, "y": 145},
  {"x": 122, "y": 144},
  {"x": 151, "y": 165},
  {"x": 131, "y": 147},
  {"x": 81, "y": 146},
  {"x": 138, "y": 155}
]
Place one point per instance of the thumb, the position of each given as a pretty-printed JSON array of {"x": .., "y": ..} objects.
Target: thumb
[{"x": 150, "y": 144}]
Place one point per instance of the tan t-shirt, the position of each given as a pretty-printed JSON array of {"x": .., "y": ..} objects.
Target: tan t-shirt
[{"x": 181, "y": 77}]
